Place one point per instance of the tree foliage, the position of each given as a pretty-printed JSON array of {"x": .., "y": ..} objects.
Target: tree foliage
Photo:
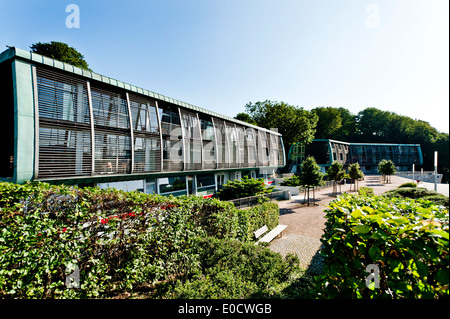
[
  {"x": 245, "y": 118},
  {"x": 310, "y": 174},
  {"x": 329, "y": 121},
  {"x": 336, "y": 174},
  {"x": 61, "y": 52},
  {"x": 355, "y": 173},
  {"x": 386, "y": 168},
  {"x": 294, "y": 123}
]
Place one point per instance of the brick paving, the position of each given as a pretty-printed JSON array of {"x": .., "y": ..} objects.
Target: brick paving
[{"x": 306, "y": 224}]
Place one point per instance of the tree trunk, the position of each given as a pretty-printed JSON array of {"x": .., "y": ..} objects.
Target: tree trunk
[
  {"x": 304, "y": 195},
  {"x": 308, "y": 195},
  {"x": 314, "y": 195}
]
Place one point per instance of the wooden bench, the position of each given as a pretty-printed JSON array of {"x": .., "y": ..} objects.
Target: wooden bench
[{"x": 270, "y": 235}]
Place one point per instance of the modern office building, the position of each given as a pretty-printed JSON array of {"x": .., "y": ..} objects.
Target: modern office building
[
  {"x": 368, "y": 155},
  {"x": 62, "y": 124}
]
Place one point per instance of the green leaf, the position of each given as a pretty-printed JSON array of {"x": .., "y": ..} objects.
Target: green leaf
[
  {"x": 356, "y": 214},
  {"x": 439, "y": 233},
  {"x": 422, "y": 269},
  {"x": 442, "y": 276},
  {"x": 400, "y": 220},
  {"x": 362, "y": 229},
  {"x": 374, "y": 253}
]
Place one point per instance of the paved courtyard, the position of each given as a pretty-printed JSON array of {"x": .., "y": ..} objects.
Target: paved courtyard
[{"x": 306, "y": 224}]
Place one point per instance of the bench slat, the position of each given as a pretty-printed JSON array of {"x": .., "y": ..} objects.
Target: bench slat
[
  {"x": 273, "y": 233},
  {"x": 261, "y": 231}
]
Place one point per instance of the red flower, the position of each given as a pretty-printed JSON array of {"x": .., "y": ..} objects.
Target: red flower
[
  {"x": 64, "y": 229},
  {"x": 104, "y": 221}
]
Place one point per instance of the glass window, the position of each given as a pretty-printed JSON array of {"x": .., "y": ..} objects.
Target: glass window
[
  {"x": 172, "y": 184},
  {"x": 109, "y": 109},
  {"x": 205, "y": 180}
]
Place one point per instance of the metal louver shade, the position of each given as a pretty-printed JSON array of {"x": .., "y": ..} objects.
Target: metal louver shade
[{"x": 64, "y": 125}]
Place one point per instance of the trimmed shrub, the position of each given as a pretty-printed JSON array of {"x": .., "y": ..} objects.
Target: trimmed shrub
[
  {"x": 410, "y": 184},
  {"x": 407, "y": 239},
  {"x": 116, "y": 239},
  {"x": 365, "y": 191},
  {"x": 243, "y": 188},
  {"x": 418, "y": 192},
  {"x": 231, "y": 269}
]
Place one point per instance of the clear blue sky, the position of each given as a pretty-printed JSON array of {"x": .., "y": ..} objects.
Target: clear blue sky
[{"x": 222, "y": 54}]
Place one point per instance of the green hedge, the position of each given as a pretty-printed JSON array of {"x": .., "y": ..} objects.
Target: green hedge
[
  {"x": 407, "y": 239},
  {"x": 229, "y": 269},
  {"x": 409, "y": 184},
  {"x": 118, "y": 240},
  {"x": 418, "y": 192}
]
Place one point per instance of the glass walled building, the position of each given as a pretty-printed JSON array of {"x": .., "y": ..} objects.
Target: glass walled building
[
  {"x": 66, "y": 125},
  {"x": 368, "y": 155}
]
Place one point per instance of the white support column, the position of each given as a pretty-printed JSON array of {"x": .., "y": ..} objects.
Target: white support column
[
  {"x": 91, "y": 115},
  {"x": 216, "y": 149},
  {"x": 79, "y": 135},
  {"x": 160, "y": 137},
  {"x": 201, "y": 140},
  {"x": 36, "y": 123},
  {"x": 182, "y": 138},
  {"x": 130, "y": 120}
]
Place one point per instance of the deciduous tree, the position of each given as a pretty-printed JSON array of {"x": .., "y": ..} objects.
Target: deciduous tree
[{"x": 61, "y": 52}]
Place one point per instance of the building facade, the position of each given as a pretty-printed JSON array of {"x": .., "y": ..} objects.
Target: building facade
[
  {"x": 368, "y": 155},
  {"x": 72, "y": 126}
]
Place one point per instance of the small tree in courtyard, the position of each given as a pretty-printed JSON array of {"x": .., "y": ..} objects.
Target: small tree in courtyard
[
  {"x": 386, "y": 169},
  {"x": 311, "y": 175},
  {"x": 336, "y": 174},
  {"x": 355, "y": 173}
]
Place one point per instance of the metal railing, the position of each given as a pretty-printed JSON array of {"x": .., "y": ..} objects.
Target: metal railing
[{"x": 425, "y": 176}]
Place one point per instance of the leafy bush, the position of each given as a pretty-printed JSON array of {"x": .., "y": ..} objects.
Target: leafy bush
[
  {"x": 410, "y": 184},
  {"x": 118, "y": 240},
  {"x": 243, "y": 188},
  {"x": 366, "y": 191},
  {"x": 294, "y": 180},
  {"x": 418, "y": 192},
  {"x": 232, "y": 269},
  {"x": 407, "y": 239},
  {"x": 254, "y": 218}
]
